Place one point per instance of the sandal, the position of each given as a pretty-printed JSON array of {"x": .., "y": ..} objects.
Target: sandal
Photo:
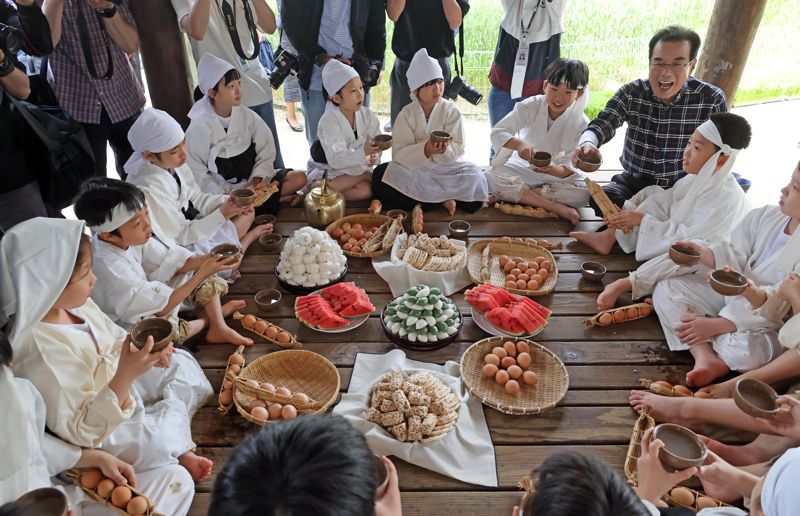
[{"x": 296, "y": 128}]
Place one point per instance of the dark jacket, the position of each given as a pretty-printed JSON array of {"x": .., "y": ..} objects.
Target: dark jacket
[{"x": 301, "y": 19}]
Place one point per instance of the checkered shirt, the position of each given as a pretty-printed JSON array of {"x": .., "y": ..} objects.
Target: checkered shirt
[
  {"x": 657, "y": 132},
  {"x": 80, "y": 94}
]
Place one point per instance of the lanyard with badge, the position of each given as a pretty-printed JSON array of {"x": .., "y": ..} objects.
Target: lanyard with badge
[
  {"x": 521, "y": 61},
  {"x": 229, "y": 15}
]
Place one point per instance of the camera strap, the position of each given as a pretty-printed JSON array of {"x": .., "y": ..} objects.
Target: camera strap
[
  {"x": 460, "y": 53},
  {"x": 86, "y": 46},
  {"x": 229, "y": 15}
]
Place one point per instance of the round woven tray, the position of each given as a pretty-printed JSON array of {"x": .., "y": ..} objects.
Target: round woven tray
[
  {"x": 552, "y": 386},
  {"x": 366, "y": 220},
  {"x": 297, "y": 289},
  {"x": 524, "y": 250},
  {"x": 297, "y": 370}
]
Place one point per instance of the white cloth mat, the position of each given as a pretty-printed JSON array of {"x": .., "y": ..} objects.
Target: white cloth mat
[{"x": 465, "y": 453}]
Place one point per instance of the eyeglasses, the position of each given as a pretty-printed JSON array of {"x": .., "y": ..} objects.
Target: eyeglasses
[{"x": 672, "y": 67}]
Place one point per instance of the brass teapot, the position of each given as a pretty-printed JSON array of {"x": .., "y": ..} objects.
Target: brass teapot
[{"x": 324, "y": 204}]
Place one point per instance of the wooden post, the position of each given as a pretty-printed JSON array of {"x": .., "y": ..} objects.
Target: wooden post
[
  {"x": 730, "y": 35},
  {"x": 163, "y": 54}
]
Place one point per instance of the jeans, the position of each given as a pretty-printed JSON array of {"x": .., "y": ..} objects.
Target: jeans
[
  {"x": 267, "y": 114},
  {"x": 313, "y": 109},
  {"x": 500, "y": 104}
]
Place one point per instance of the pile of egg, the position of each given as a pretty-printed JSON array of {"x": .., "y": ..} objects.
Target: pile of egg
[{"x": 310, "y": 258}]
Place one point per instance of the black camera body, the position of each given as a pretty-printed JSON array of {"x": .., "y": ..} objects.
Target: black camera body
[
  {"x": 116, "y": 2},
  {"x": 459, "y": 87},
  {"x": 369, "y": 75},
  {"x": 10, "y": 42},
  {"x": 286, "y": 64}
]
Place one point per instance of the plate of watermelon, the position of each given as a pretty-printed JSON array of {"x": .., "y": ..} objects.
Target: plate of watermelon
[
  {"x": 335, "y": 309},
  {"x": 499, "y": 312}
]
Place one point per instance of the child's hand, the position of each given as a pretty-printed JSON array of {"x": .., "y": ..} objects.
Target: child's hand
[
  {"x": 373, "y": 159},
  {"x": 230, "y": 210},
  {"x": 789, "y": 289},
  {"x": 134, "y": 362},
  {"x": 216, "y": 263},
  {"x": 371, "y": 148},
  {"x": 654, "y": 480},
  {"x": 753, "y": 294},
  {"x": 525, "y": 152},
  {"x": 389, "y": 504},
  {"x": 787, "y": 420},
  {"x": 626, "y": 218},
  {"x": 117, "y": 470},
  {"x": 432, "y": 147}
]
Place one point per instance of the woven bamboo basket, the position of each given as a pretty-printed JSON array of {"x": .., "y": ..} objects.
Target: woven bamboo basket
[
  {"x": 297, "y": 370},
  {"x": 75, "y": 474},
  {"x": 293, "y": 342},
  {"x": 642, "y": 310},
  {"x": 366, "y": 220},
  {"x": 551, "y": 389},
  {"x": 697, "y": 495},
  {"x": 229, "y": 376},
  {"x": 524, "y": 250}
]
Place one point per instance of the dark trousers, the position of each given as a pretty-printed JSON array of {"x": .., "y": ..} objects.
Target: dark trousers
[
  {"x": 105, "y": 133},
  {"x": 391, "y": 199},
  {"x": 622, "y": 187},
  {"x": 401, "y": 97}
]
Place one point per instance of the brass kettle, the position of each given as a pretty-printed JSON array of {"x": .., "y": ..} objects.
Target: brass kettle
[{"x": 324, "y": 204}]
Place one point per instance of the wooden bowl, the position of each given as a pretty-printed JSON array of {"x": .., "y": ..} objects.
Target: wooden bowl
[
  {"x": 593, "y": 271},
  {"x": 383, "y": 141},
  {"x": 542, "y": 159},
  {"x": 226, "y": 250},
  {"x": 683, "y": 255},
  {"x": 270, "y": 242},
  {"x": 382, "y": 472},
  {"x": 440, "y": 136},
  {"x": 267, "y": 299},
  {"x": 588, "y": 163},
  {"x": 243, "y": 197},
  {"x": 46, "y": 501},
  {"x": 264, "y": 219},
  {"x": 459, "y": 229},
  {"x": 755, "y": 398},
  {"x": 727, "y": 283},
  {"x": 682, "y": 447},
  {"x": 158, "y": 327}
]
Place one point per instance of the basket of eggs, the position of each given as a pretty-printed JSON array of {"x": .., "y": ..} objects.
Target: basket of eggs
[
  {"x": 123, "y": 499},
  {"x": 520, "y": 267},
  {"x": 285, "y": 384},
  {"x": 353, "y": 231}
]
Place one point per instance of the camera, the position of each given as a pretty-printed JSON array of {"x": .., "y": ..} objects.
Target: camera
[
  {"x": 460, "y": 87},
  {"x": 369, "y": 75},
  {"x": 116, "y": 2},
  {"x": 285, "y": 65},
  {"x": 9, "y": 39}
]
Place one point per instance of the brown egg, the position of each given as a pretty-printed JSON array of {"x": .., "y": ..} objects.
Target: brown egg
[
  {"x": 493, "y": 359},
  {"x": 226, "y": 397},
  {"x": 337, "y": 232},
  {"x": 120, "y": 496},
  {"x": 368, "y": 234},
  {"x": 252, "y": 383},
  {"x": 523, "y": 266},
  {"x": 254, "y": 403},
  {"x": 645, "y": 310},
  {"x": 507, "y": 362},
  {"x": 283, "y": 337},
  {"x": 500, "y": 352},
  {"x": 267, "y": 387},
  {"x": 632, "y": 313},
  {"x": 515, "y": 272},
  {"x": 530, "y": 271},
  {"x": 357, "y": 226},
  {"x": 517, "y": 259},
  {"x": 260, "y": 413},
  {"x": 248, "y": 321},
  {"x": 702, "y": 394},
  {"x": 271, "y": 332},
  {"x": 137, "y": 506},
  {"x": 511, "y": 349},
  {"x": 508, "y": 266},
  {"x": 502, "y": 377},
  {"x": 620, "y": 316},
  {"x": 682, "y": 496},
  {"x": 503, "y": 260},
  {"x": 260, "y": 326},
  {"x": 524, "y": 360},
  {"x": 511, "y": 277},
  {"x": 532, "y": 284},
  {"x": 539, "y": 260},
  {"x": 706, "y": 502},
  {"x": 681, "y": 389},
  {"x": 300, "y": 397},
  {"x": 358, "y": 233},
  {"x": 352, "y": 241},
  {"x": 235, "y": 368},
  {"x": 521, "y": 284},
  {"x": 523, "y": 277},
  {"x": 546, "y": 264},
  {"x": 289, "y": 412},
  {"x": 544, "y": 273},
  {"x": 512, "y": 387},
  {"x": 346, "y": 227},
  {"x": 356, "y": 249},
  {"x": 510, "y": 284},
  {"x": 275, "y": 411},
  {"x": 514, "y": 371},
  {"x": 530, "y": 378},
  {"x": 605, "y": 319},
  {"x": 227, "y": 385},
  {"x": 90, "y": 478},
  {"x": 236, "y": 358},
  {"x": 664, "y": 384},
  {"x": 348, "y": 246},
  {"x": 344, "y": 238},
  {"x": 489, "y": 370},
  {"x": 537, "y": 278},
  {"x": 522, "y": 347},
  {"x": 283, "y": 391},
  {"x": 104, "y": 488}
]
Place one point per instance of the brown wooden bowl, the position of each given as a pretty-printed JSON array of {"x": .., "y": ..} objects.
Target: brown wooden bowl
[
  {"x": 264, "y": 219},
  {"x": 755, "y": 398},
  {"x": 46, "y": 501},
  {"x": 440, "y": 136},
  {"x": 593, "y": 271},
  {"x": 226, "y": 250},
  {"x": 683, "y": 255},
  {"x": 588, "y": 163},
  {"x": 682, "y": 447},
  {"x": 383, "y": 141},
  {"x": 270, "y": 242},
  {"x": 243, "y": 197},
  {"x": 267, "y": 299},
  {"x": 542, "y": 159},
  {"x": 459, "y": 229},
  {"x": 382, "y": 472},
  {"x": 158, "y": 327},
  {"x": 727, "y": 283}
]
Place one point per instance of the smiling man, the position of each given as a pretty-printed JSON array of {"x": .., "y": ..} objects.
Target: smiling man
[{"x": 661, "y": 111}]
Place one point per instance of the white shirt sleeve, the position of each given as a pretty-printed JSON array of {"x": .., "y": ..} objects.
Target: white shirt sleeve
[{"x": 265, "y": 148}]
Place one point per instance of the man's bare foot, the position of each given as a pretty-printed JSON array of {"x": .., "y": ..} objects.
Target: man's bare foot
[
  {"x": 226, "y": 335},
  {"x": 252, "y": 235},
  {"x": 197, "y": 466},
  {"x": 601, "y": 242},
  {"x": 608, "y": 297},
  {"x": 450, "y": 206},
  {"x": 707, "y": 368},
  {"x": 664, "y": 408},
  {"x": 567, "y": 212}
]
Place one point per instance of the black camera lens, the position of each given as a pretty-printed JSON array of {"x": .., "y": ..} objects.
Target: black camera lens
[
  {"x": 285, "y": 65},
  {"x": 9, "y": 39},
  {"x": 458, "y": 87},
  {"x": 369, "y": 75}
]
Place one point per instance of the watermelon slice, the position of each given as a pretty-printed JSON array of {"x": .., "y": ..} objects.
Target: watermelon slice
[
  {"x": 329, "y": 308},
  {"x": 357, "y": 309}
]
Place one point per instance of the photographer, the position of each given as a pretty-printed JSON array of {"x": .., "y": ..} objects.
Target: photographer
[
  {"x": 92, "y": 76},
  {"x": 20, "y": 198},
  {"x": 228, "y": 29},
  {"x": 427, "y": 24},
  {"x": 354, "y": 32}
]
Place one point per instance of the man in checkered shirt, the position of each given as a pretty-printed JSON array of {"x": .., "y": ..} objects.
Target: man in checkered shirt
[{"x": 662, "y": 111}]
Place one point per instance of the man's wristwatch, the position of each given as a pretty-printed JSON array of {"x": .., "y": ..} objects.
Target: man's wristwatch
[
  {"x": 319, "y": 59},
  {"x": 107, "y": 13}
]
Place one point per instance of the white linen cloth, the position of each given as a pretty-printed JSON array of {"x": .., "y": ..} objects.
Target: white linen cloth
[
  {"x": 466, "y": 453},
  {"x": 153, "y": 131},
  {"x": 778, "y": 494},
  {"x": 546, "y": 21},
  {"x": 343, "y": 149},
  {"x": 401, "y": 276}
]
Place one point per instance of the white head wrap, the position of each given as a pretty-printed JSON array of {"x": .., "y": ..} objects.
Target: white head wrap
[
  {"x": 422, "y": 69},
  {"x": 37, "y": 258},
  {"x": 210, "y": 69},
  {"x": 153, "y": 131},
  {"x": 335, "y": 75},
  {"x": 778, "y": 495},
  {"x": 119, "y": 216}
]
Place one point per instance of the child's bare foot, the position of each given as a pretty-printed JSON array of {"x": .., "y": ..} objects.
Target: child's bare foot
[
  {"x": 601, "y": 242},
  {"x": 734, "y": 455},
  {"x": 719, "y": 492},
  {"x": 567, "y": 212},
  {"x": 721, "y": 390},
  {"x": 706, "y": 370},
  {"x": 493, "y": 199},
  {"x": 197, "y": 466},
  {"x": 450, "y": 206},
  {"x": 296, "y": 200},
  {"x": 664, "y": 408},
  {"x": 231, "y": 306},
  {"x": 226, "y": 335},
  {"x": 608, "y": 297}
]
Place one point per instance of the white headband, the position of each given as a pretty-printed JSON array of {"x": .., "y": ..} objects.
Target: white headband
[
  {"x": 119, "y": 216},
  {"x": 710, "y": 131}
]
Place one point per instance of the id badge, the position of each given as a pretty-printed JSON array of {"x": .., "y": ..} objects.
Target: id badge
[{"x": 520, "y": 67}]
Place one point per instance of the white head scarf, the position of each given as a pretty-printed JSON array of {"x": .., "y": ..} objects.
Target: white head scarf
[
  {"x": 422, "y": 69},
  {"x": 13, "y": 425},
  {"x": 546, "y": 20},
  {"x": 37, "y": 258},
  {"x": 153, "y": 131},
  {"x": 335, "y": 75},
  {"x": 210, "y": 69},
  {"x": 779, "y": 495}
]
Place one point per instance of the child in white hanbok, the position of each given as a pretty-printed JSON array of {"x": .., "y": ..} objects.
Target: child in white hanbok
[
  {"x": 550, "y": 123},
  {"x": 230, "y": 146},
  {"x": 158, "y": 165},
  {"x": 422, "y": 170},
  {"x": 346, "y": 131},
  {"x": 704, "y": 205},
  {"x": 140, "y": 276},
  {"x": 98, "y": 389}
]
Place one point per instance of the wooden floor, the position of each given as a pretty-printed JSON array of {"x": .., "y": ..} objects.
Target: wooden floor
[{"x": 603, "y": 363}]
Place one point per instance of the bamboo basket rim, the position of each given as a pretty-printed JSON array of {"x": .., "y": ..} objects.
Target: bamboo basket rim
[
  {"x": 357, "y": 218},
  {"x": 74, "y": 474},
  {"x": 523, "y": 249},
  {"x": 555, "y": 380},
  {"x": 595, "y": 319},
  {"x": 231, "y": 376},
  {"x": 242, "y": 395}
]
